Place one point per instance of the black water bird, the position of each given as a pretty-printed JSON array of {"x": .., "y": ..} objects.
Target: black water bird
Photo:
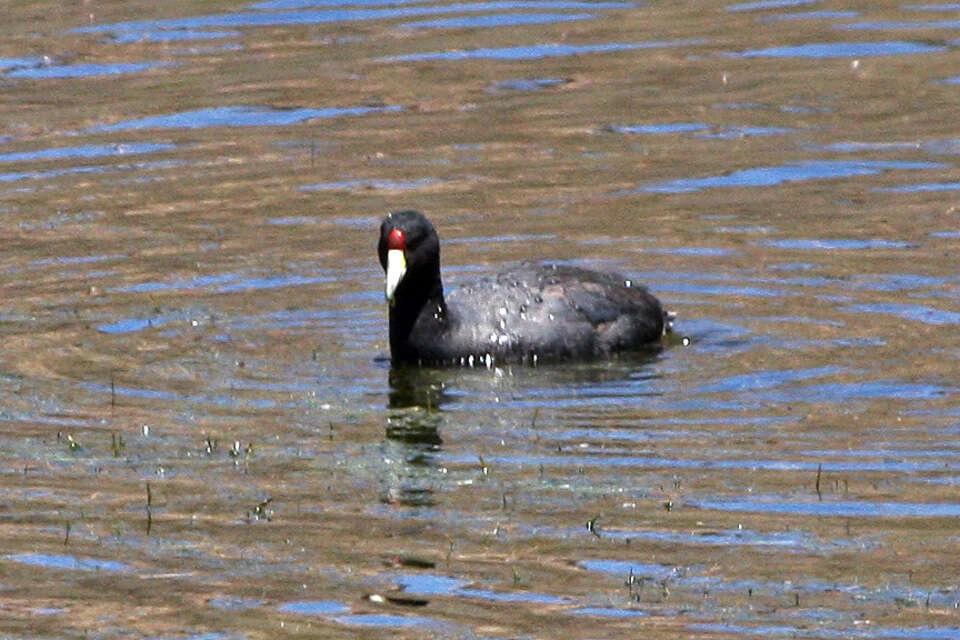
[{"x": 528, "y": 314}]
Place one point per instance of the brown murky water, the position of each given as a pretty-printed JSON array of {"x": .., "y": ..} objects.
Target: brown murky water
[{"x": 200, "y": 436}]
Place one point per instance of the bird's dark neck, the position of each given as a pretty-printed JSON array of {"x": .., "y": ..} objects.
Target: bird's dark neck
[{"x": 412, "y": 305}]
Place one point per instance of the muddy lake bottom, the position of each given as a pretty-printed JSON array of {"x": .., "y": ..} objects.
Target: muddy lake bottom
[{"x": 201, "y": 433}]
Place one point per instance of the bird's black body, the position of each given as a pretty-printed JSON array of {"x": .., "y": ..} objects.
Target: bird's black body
[{"x": 531, "y": 313}]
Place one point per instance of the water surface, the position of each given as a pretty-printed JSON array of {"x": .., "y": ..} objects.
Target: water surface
[{"x": 201, "y": 435}]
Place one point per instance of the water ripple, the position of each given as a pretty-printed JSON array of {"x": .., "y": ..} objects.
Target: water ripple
[
  {"x": 774, "y": 175},
  {"x": 240, "y": 116},
  {"x": 537, "y": 51},
  {"x": 834, "y": 508},
  {"x": 843, "y": 50}
]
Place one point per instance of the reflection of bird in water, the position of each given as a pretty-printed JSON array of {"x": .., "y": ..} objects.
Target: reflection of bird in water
[
  {"x": 412, "y": 440},
  {"x": 530, "y": 313},
  {"x": 412, "y": 387}
]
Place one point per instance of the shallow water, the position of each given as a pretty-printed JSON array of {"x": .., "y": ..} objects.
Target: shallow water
[{"x": 200, "y": 432}]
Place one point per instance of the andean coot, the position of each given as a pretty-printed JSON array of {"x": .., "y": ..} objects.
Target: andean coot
[{"x": 530, "y": 313}]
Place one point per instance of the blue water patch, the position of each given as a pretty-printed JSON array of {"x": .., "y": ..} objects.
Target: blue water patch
[
  {"x": 215, "y": 635},
  {"x": 884, "y": 453},
  {"x": 352, "y": 318},
  {"x": 899, "y": 282},
  {"x": 78, "y": 259},
  {"x": 371, "y": 184},
  {"x": 635, "y": 463},
  {"x": 723, "y": 290},
  {"x": 34, "y": 175},
  {"x": 171, "y": 35},
  {"x": 537, "y": 51},
  {"x": 67, "y": 562},
  {"x": 385, "y": 620},
  {"x": 637, "y": 569},
  {"x": 953, "y": 481},
  {"x": 759, "y": 106},
  {"x": 301, "y": 220},
  {"x": 503, "y": 5},
  {"x": 83, "y": 70},
  {"x": 86, "y": 151},
  {"x": 200, "y": 282},
  {"x": 525, "y": 84},
  {"x": 194, "y": 50},
  {"x": 511, "y": 596},
  {"x": 786, "y": 540},
  {"x": 753, "y": 229},
  {"x": 836, "y": 244},
  {"x": 273, "y": 282},
  {"x": 131, "y": 325},
  {"x": 90, "y": 275},
  {"x": 811, "y": 15},
  {"x": 499, "y": 20},
  {"x": 862, "y": 390},
  {"x": 802, "y": 108},
  {"x": 842, "y": 50},
  {"x": 274, "y": 5},
  {"x": 507, "y": 237},
  {"x": 355, "y": 223},
  {"x": 768, "y": 4},
  {"x": 945, "y": 234},
  {"x": 56, "y": 173},
  {"x": 690, "y": 251},
  {"x": 913, "y": 312},
  {"x": 318, "y": 16},
  {"x": 314, "y": 607},
  {"x": 859, "y": 632},
  {"x": 949, "y": 6},
  {"x": 429, "y": 584},
  {"x": 792, "y": 266},
  {"x": 678, "y": 127},
  {"x": 733, "y": 106},
  {"x": 869, "y": 146},
  {"x": 725, "y": 133},
  {"x": 844, "y": 508},
  {"x": 281, "y": 319},
  {"x": 945, "y": 146},
  {"x": 156, "y": 394},
  {"x": 824, "y": 322},
  {"x": 920, "y": 188},
  {"x": 859, "y": 342},
  {"x": 240, "y": 116},
  {"x": 766, "y": 379},
  {"x": 15, "y": 63},
  {"x": 893, "y": 26},
  {"x": 305, "y": 4},
  {"x": 221, "y": 283},
  {"x": 795, "y": 172},
  {"x": 235, "y": 603},
  {"x": 608, "y": 612}
]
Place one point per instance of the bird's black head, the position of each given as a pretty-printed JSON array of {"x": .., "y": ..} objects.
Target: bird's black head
[{"x": 409, "y": 252}]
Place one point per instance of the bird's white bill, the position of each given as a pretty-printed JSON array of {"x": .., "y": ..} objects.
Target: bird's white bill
[{"x": 396, "y": 268}]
